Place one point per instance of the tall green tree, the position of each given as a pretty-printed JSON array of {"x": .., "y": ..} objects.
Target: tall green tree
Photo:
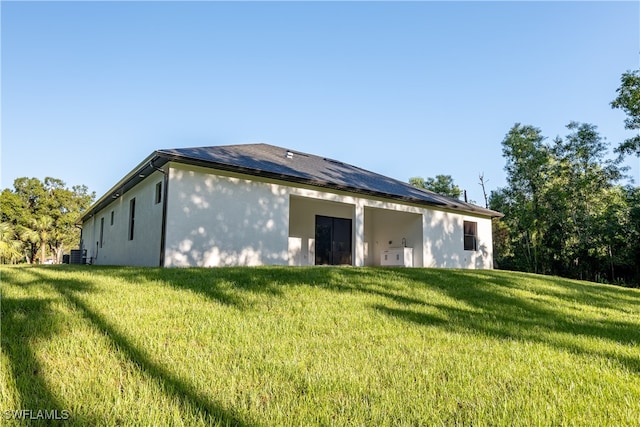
[
  {"x": 564, "y": 212},
  {"x": 441, "y": 184},
  {"x": 43, "y": 215},
  {"x": 630, "y": 238},
  {"x": 628, "y": 100},
  {"x": 579, "y": 195},
  {"x": 528, "y": 171},
  {"x": 64, "y": 207}
]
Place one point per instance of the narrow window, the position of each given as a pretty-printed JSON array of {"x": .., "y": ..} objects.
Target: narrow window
[
  {"x": 470, "y": 236},
  {"x": 101, "y": 230},
  {"x": 158, "y": 192},
  {"x": 111, "y": 217},
  {"x": 132, "y": 217}
]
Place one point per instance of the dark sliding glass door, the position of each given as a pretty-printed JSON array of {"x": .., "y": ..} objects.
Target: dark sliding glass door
[{"x": 333, "y": 241}]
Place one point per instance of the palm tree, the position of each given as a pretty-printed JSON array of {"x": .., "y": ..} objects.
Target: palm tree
[
  {"x": 30, "y": 240},
  {"x": 10, "y": 247},
  {"x": 43, "y": 226}
]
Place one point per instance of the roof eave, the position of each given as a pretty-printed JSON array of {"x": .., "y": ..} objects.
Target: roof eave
[
  {"x": 315, "y": 183},
  {"x": 159, "y": 158},
  {"x": 145, "y": 168}
]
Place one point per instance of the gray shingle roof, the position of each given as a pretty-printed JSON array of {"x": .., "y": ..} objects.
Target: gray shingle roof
[
  {"x": 294, "y": 166},
  {"x": 288, "y": 165}
]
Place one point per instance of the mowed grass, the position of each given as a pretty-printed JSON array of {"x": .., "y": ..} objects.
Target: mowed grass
[{"x": 317, "y": 346}]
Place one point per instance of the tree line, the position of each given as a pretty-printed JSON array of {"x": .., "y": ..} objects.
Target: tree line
[
  {"x": 565, "y": 211},
  {"x": 38, "y": 219}
]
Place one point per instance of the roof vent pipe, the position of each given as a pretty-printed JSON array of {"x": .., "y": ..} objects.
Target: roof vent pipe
[{"x": 289, "y": 154}]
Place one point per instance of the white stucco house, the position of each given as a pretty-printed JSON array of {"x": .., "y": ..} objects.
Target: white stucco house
[{"x": 258, "y": 204}]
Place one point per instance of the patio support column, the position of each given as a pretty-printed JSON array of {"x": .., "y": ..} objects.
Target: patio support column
[
  {"x": 359, "y": 234},
  {"x": 426, "y": 250}
]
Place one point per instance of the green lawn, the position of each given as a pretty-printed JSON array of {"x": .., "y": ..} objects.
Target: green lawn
[{"x": 317, "y": 346}]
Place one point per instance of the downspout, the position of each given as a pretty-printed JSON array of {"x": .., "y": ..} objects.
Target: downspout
[
  {"x": 80, "y": 243},
  {"x": 163, "y": 226}
]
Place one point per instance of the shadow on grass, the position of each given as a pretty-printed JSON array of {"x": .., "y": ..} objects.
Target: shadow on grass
[
  {"x": 502, "y": 305},
  {"x": 230, "y": 285},
  {"x": 509, "y": 305},
  {"x": 497, "y": 312},
  {"x": 181, "y": 390},
  {"x": 224, "y": 286},
  {"x": 24, "y": 322},
  {"x": 606, "y": 296}
]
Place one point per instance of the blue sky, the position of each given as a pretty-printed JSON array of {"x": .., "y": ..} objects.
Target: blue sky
[{"x": 402, "y": 89}]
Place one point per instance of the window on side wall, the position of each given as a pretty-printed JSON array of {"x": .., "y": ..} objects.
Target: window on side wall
[
  {"x": 111, "y": 217},
  {"x": 101, "y": 231},
  {"x": 158, "y": 192},
  {"x": 470, "y": 236},
  {"x": 132, "y": 217}
]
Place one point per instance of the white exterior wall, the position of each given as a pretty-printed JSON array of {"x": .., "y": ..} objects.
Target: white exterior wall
[
  {"x": 443, "y": 242},
  {"x": 117, "y": 249},
  {"x": 217, "y": 220}
]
